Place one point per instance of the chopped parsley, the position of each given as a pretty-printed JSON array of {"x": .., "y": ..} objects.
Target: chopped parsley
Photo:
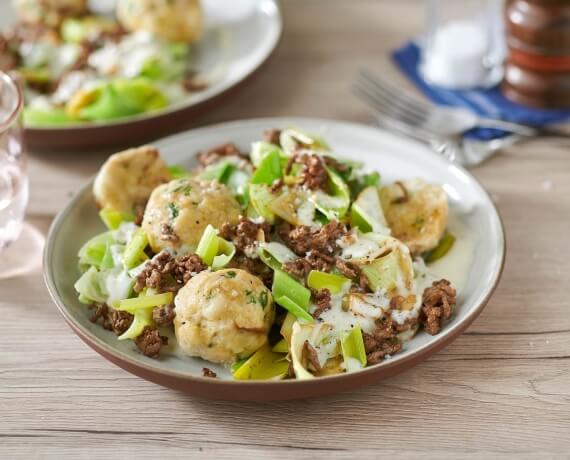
[
  {"x": 184, "y": 187},
  {"x": 263, "y": 299},
  {"x": 174, "y": 210},
  {"x": 231, "y": 274},
  {"x": 250, "y": 296},
  {"x": 419, "y": 223}
]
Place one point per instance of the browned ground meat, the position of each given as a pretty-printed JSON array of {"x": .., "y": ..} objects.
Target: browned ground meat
[
  {"x": 348, "y": 269},
  {"x": 322, "y": 299},
  {"x": 121, "y": 321},
  {"x": 310, "y": 354},
  {"x": 102, "y": 312},
  {"x": 272, "y": 136},
  {"x": 216, "y": 153},
  {"x": 437, "y": 305},
  {"x": 254, "y": 266},
  {"x": 245, "y": 234},
  {"x": 313, "y": 174},
  {"x": 186, "y": 267},
  {"x": 298, "y": 267},
  {"x": 336, "y": 165},
  {"x": 164, "y": 315},
  {"x": 150, "y": 342},
  {"x": 384, "y": 339},
  {"x": 166, "y": 273},
  {"x": 303, "y": 239},
  {"x": 206, "y": 372}
]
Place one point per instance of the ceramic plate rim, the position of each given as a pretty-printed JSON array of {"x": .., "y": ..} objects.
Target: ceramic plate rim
[{"x": 448, "y": 334}]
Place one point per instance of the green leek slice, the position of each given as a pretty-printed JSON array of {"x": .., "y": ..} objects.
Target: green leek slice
[
  {"x": 294, "y": 308},
  {"x": 264, "y": 364},
  {"x": 269, "y": 169},
  {"x": 113, "y": 219},
  {"x": 146, "y": 301},
  {"x": 352, "y": 345},
  {"x": 208, "y": 245},
  {"x": 142, "y": 318},
  {"x": 322, "y": 280},
  {"x": 134, "y": 252},
  {"x": 443, "y": 247},
  {"x": 285, "y": 286}
]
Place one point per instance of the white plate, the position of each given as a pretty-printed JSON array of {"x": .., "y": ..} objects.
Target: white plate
[{"x": 474, "y": 264}]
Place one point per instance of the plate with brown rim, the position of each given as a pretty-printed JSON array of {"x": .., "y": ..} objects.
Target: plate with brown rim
[
  {"x": 474, "y": 265},
  {"x": 235, "y": 44}
]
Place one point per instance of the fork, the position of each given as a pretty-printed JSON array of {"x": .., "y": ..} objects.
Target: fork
[
  {"x": 466, "y": 152},
  {"x": 451, "y": 122}
]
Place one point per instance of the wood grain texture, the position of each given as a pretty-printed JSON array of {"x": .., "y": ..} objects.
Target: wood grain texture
[{"x": 502, "y": 390}]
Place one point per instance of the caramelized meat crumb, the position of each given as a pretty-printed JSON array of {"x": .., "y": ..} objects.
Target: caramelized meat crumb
[
  {"x": 186, "y": 267},
  {"x": 214, "y": 154},
  {"x": 322, "y": 298},
  {"x": 384, "y": 341},
  {"x": 121, "y": 321},
  {"x": 245, "y": 234},
  {"x": 102, "y": 312},
  {"x": 437, "y": 305},
  {"x": 164, "y": 315},
  {"x": 348, "y": 269},
  {"x": 206, "y": 372},
  {"x": 254, "y": 266},
  {"x": 313, "y": 175},
  {"x": 166, "y": 273},
  {"x": 150, "y": 342},
  {"x": 298, "y": 267},
  {"x": 303, "y": 239},
  {"x": 273, "y": 136},
  {"x": 333, "y": 163}
]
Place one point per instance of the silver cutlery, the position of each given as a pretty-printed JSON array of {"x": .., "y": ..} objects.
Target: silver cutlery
[
  {"x": 466, "y": 152},
  {"x": 449, "y": 122}
]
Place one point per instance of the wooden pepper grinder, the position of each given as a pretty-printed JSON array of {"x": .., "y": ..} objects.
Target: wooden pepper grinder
[{"x": 537, "y": 71}]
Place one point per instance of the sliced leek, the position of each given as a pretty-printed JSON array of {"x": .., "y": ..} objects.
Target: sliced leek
[
  {"x": 264, "y": 364},
  {"x": 323, "y": 280}
]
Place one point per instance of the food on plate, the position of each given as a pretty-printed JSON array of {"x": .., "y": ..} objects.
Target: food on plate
[
  {"x": 49, "y": 12},
  {"x": 79, "y": 66},
  {"x": 178, "y": 212},
  {"x": 127, "y": 179},
  {"x": 223, "y": 316},
  {"x": 174, "y": 20},
  {"x": 283, "y": 262},
  {"x": 416, "y": 213}
]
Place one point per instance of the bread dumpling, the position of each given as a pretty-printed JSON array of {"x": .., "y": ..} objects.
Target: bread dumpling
[
  {"x": 178, "y": 212},
  {"x": 126, "y": 180},
  {"x": 173, "y": 20},
  {"x": 223, "y": 316},
  {"x": 49, "y": 12},
  {"x": 416, "y": 213}
]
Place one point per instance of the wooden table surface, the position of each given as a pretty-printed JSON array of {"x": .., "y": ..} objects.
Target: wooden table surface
[{"x": 501, "y": 390}]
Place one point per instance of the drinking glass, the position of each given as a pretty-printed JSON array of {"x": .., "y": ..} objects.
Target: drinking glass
[
  {"x": 13, "y": 176},
  {"x": 465, "y": 43}
]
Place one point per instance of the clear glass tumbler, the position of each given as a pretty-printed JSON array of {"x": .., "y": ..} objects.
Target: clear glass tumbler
[
  {"x": 13, "y": 174},
  {"x": 464, "y": 45}
]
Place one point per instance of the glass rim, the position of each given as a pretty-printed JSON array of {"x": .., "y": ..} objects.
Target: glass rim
[{"x": 13, "y": 114}]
